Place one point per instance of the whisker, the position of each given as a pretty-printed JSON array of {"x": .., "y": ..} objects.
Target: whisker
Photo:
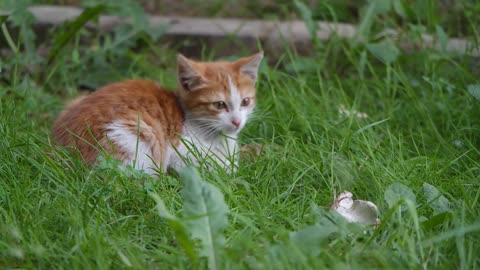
[
  {"x": 204, "y": 120},
  {"x": 207, "y": 130}
]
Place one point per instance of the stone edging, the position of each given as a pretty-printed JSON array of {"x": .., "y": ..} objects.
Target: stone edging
[{"x": 272, "y": 34}]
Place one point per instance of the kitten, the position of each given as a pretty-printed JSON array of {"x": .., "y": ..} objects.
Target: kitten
[{"x": 143, "y": 124}]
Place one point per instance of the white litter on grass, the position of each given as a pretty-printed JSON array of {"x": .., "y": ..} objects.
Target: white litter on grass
[
  {"x": 343, "y": 111},
  {"x": 356, "y": 211}
]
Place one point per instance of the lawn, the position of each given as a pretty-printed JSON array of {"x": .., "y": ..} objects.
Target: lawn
[{"x": 412, "y": 148}]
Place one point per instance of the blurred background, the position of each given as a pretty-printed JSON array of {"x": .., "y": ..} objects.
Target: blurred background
[
  {"x": 455, "y": 15},
  {"x": 384, "y": 29}
]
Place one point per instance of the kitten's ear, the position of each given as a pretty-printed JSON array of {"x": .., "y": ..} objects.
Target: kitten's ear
[
  {"x": 188, "y": 77},
  {"x": 249, "y": 65}
]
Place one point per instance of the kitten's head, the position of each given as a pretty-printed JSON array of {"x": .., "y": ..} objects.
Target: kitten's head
[{"x": 218, "y": 96}]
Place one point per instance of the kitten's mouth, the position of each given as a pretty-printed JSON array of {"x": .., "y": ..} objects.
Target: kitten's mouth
[{"x": 232, "y": 129}]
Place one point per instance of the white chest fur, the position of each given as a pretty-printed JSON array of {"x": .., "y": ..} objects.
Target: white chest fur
[
  {"x": 213, "y": 152},
  {"x": 216, "y": 151}
]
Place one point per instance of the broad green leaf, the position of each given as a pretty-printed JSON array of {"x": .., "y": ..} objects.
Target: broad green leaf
[
  {"x": 74, "y": 27},
  {"x": 156, "y": 31},
  {"x": 328, "y": 224},
  {"x": 381, "y": 6},
  {"x": 205, "y": 215},
  {"x": 436, "y": 220},
  {"x": 385, "y": 52},
  {"x": 436, "y": 200},
  {"x": 310, "y": 239},
  {"x": 177, "y": 227},
  {"x": 396, "y": 192},
  {"x": 399, "y": 9},
  {"x": 442, "y": 37},
  {"x": 474, "y": 90}
]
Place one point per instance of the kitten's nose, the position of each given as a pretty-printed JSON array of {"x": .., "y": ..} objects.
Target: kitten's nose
[{"x": 236, "y": 122}]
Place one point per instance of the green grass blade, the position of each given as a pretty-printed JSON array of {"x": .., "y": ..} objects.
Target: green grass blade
[
  {"x": 4, "y": 17},
  {"x": 370, "y": 126},
  {"x": 72, "y": 29},
  {"x": 6, "y": 34}
]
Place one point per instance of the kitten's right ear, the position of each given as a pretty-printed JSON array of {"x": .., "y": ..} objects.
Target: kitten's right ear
[
  {"x": 188, "y": 77},
  {"x": 249, "y": 65}
]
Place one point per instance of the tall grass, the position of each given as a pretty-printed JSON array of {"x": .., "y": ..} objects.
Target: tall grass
[{"x": 416, "y": 155}]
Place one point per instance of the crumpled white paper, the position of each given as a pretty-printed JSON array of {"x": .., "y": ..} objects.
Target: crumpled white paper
[{"x": 356, "y": 211}]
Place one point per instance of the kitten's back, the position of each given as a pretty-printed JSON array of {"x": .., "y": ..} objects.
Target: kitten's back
[{"x": 131, "y": 107}]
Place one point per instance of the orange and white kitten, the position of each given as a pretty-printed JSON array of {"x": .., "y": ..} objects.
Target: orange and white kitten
[{"x": 143, "y": 124}]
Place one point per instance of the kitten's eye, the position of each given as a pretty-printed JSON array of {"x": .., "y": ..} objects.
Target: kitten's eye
[
  {"x": 219, "y": 105},
  {"x": 245, "y": 102}
]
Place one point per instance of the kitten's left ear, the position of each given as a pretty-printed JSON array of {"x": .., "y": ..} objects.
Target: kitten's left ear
[{"x": 249, "y": 65}]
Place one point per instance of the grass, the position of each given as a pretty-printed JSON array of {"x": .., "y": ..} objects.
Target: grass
[{"x": 422, "y": 128}]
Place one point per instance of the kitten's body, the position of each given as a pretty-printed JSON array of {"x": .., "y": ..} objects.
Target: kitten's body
[{"x": 143, "y": 124}]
